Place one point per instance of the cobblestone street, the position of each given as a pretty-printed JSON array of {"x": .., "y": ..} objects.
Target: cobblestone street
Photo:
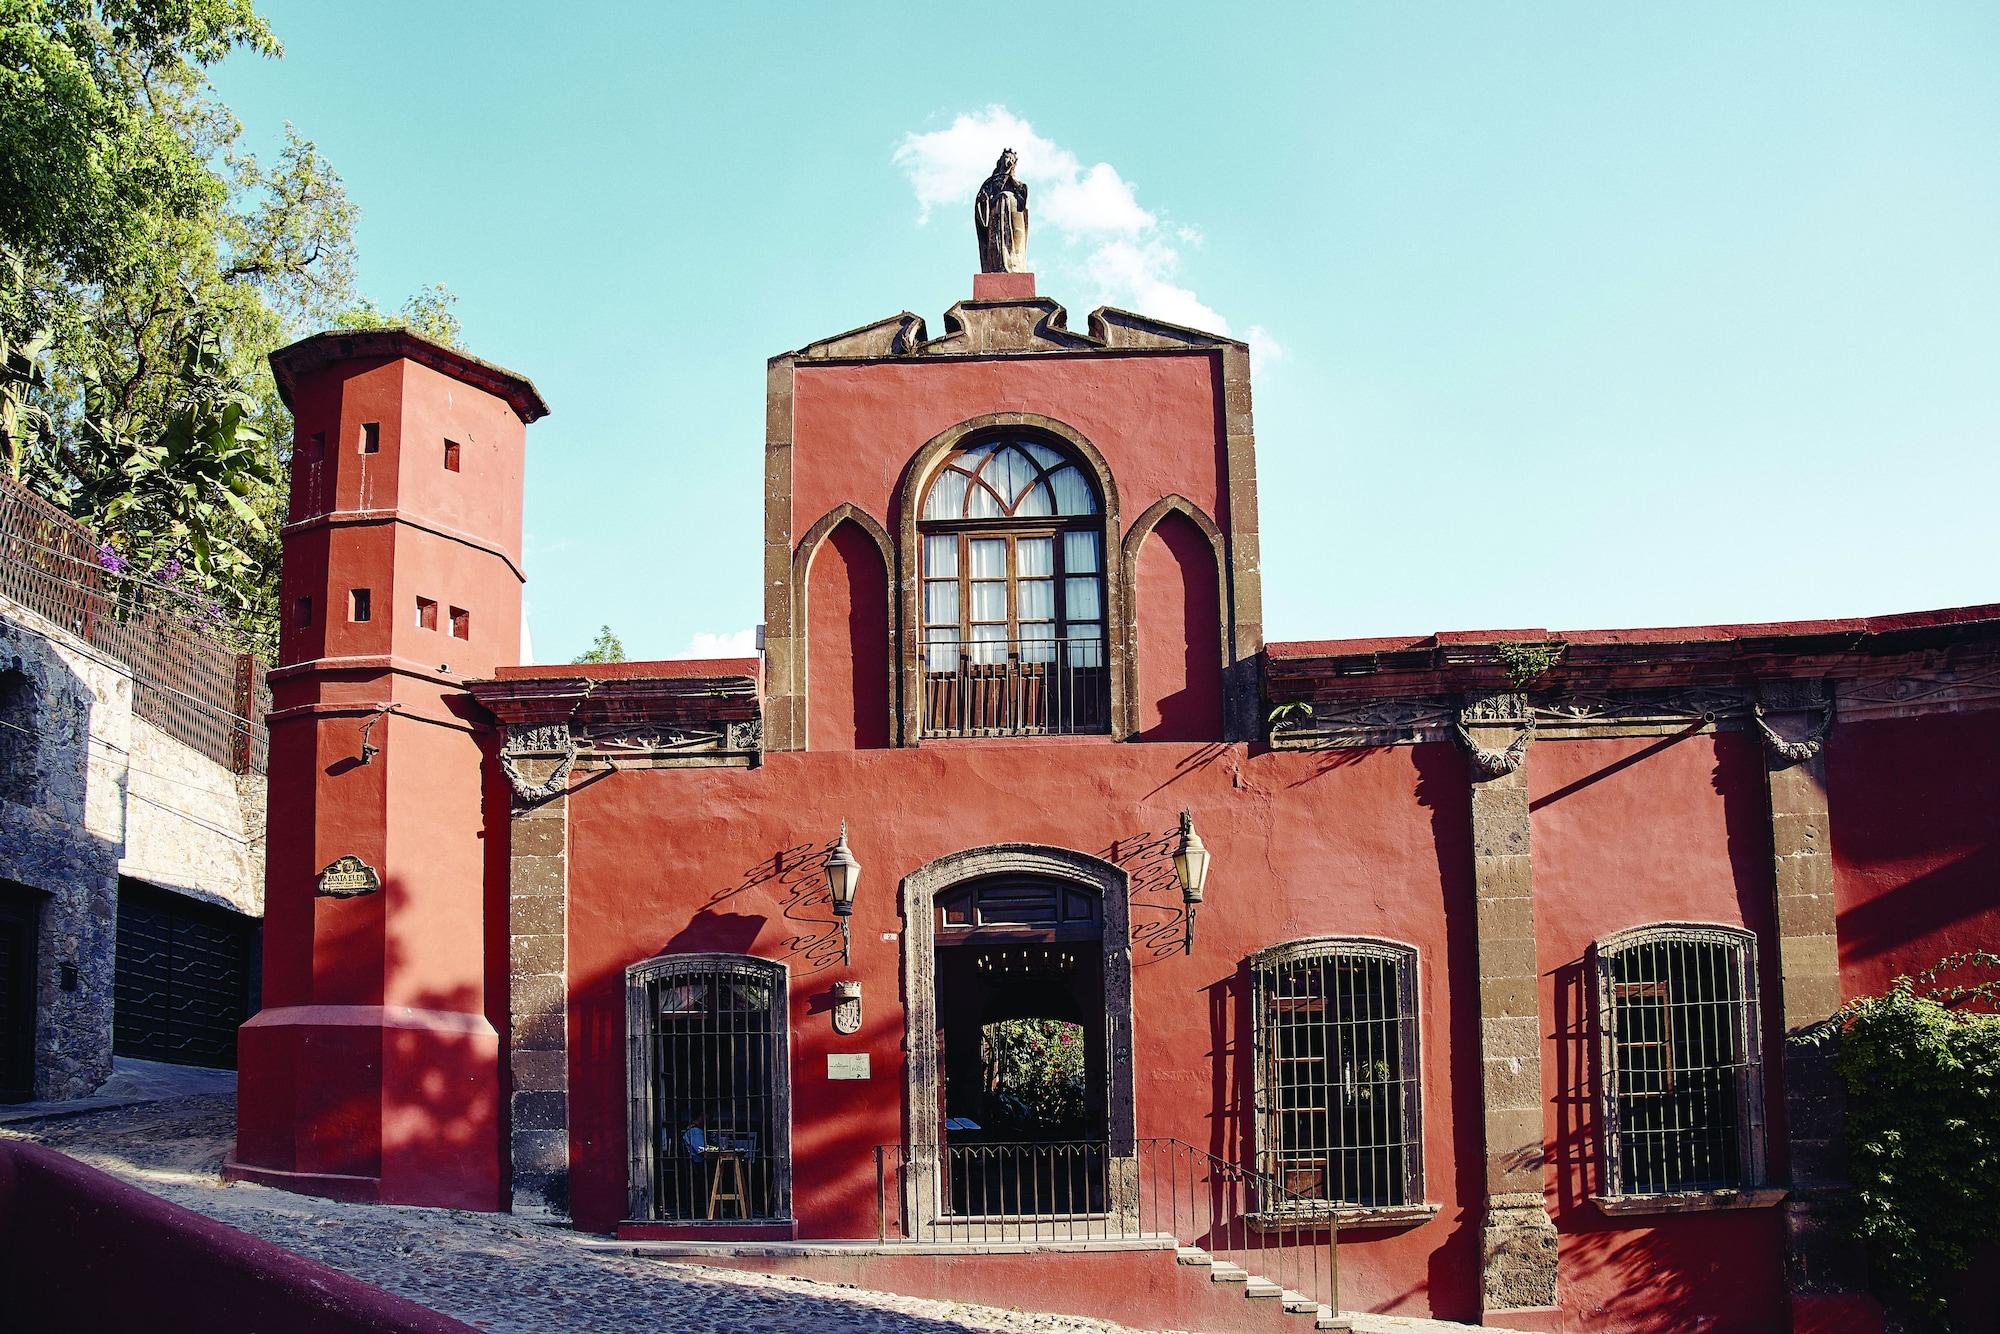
[
  {"x": 498, "y": 1274},
  {"x": 487, "y": 1269}
]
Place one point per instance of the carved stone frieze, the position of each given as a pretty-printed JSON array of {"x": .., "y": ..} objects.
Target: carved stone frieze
[
  {"x": 1631, "y": 708},
  {"x": 1368, "y": 722},
  {"x": 538, "y": 739},
  {"x": 1496, "y": 706},
  {"x": 1962, "y": 689}
]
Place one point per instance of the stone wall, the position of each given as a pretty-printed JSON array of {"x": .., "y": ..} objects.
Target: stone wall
[{"x": 88, "y": 793}]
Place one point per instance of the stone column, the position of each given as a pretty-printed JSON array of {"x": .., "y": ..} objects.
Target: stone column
[
  {"x": 538, "y": 1034},
  {"x": 1819, "y": 1259},
  {"x": 1518, "y": 1238}
]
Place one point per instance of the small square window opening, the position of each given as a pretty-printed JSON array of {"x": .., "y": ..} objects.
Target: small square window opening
[
  {"x": 451, "y": 456},
  {"x": 427, "y": 614},
  {"x": 371, "y": 437},
  {"x": 461, "y": 623},
  {"x": 302, "y": 612},
  {"x": 360, "y": 604}
]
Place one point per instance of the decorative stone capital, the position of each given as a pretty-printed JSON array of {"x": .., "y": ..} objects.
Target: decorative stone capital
[
  {"x": 1496, "y": 709},
  {"x": 1793, "y": 718}
]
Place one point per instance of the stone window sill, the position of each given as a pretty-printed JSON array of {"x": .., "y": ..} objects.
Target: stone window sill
[
  {"x": 1350, "y": 1217},
  {"x": 1688, "y": 1201}
]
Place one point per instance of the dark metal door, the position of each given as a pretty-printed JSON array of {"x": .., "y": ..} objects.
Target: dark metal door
[
  {"x": 18, "y": 910},
  {"x": 184, "y": 978}
]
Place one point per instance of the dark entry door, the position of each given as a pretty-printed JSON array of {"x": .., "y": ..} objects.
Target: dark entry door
[
  {"x": 185, "y": 977},
  {"x": 18, "y": 911}
]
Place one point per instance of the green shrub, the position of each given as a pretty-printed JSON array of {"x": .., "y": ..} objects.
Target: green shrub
[{"x": 1922, "y": 1069}]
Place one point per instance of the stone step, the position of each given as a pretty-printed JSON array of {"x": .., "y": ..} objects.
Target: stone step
[
  {"x": 1326, "y": 1319},
  {"x": 1193, "y": 1255},
  {"x": 1221, "y": 1271},
  {"x": 1261, "y": 1287},
  {"x": 1297, "y": 1303}
]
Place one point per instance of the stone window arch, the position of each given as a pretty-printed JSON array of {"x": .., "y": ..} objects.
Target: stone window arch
[
  {"x": 1680, "y": 1060},
  {"x": 1338, "y": 1077},
  {"x": 708, "y": 1066},
  {"x": 1013, "y": 608}
]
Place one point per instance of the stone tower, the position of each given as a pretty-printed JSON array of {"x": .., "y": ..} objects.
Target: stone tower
[{"x": 373, "y": 1071}]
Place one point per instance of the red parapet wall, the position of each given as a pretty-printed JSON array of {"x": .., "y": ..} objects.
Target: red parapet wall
[{"x": 80, "y": 1250}]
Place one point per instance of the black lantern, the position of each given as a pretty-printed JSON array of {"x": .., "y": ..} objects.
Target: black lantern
[
  {"x": 843, "y": 873},
  {"x": 1191, "y": 869}
]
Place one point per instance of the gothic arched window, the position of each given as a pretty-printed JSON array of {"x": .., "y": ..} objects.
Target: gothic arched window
[{"x": 1013, "y": 601}]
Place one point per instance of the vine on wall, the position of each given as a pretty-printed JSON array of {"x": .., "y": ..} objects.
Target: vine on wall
[{"x": 1922, "y": 1070}]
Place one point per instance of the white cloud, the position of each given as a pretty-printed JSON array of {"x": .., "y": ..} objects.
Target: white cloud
[
  {"x": 1128, "y": 251},
  {"x": 721, "y": 644}
]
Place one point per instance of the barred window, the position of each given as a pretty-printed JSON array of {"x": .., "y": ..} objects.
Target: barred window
[
  {"x": 1682, "y": 1086},
  {"x": 1335, "y": 1032},
  {"x": 709, "y": 1087}
]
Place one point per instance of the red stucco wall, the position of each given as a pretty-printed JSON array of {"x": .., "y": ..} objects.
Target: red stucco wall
[
  {"x": 1369, "y": 843},
  {"x": 1628, "y": 832},
  {"x": 1914, "y": 806},
  {"x": 847, "y": 643},
  {"x": 1176, "y": 614},
  {"x": 1154, "y": 418}
]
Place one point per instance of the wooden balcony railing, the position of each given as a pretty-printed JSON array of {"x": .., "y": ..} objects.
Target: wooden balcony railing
[{"x": 1016, "y": 687}]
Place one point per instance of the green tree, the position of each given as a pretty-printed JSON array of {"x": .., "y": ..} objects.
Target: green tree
[
  {"x": 607, "y": 647},
  {"x": 147, "y": 269},
  {"x": 428, "y": 312}
]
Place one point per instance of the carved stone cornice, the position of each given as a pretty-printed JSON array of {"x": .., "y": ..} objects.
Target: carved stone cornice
[{"x": 1966, "y": 688}]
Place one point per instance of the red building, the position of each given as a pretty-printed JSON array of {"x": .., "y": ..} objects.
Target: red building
[{"x": 1499, "y": 942}]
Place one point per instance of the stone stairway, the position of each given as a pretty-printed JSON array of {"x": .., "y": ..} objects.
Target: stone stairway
[{"x": 1258, "y": 1289}]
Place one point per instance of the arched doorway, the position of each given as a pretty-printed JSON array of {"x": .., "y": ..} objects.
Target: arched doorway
[
  {"x": 1008, "y": 950},
  {"x": 1021, "y": 1047}
]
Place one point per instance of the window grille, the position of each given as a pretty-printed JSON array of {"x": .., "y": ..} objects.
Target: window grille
[
  {"x": 710, "y": 1079},
  {"x": 1681, "y": 1081},
  {"x": 1337, "y": 1071}
]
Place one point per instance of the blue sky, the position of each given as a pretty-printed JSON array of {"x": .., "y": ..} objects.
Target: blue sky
[{"x": 1566, "y": 315}]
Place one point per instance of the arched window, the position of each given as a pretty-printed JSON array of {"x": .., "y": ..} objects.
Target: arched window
[
  {"x": 1681, "y": 1079},
  {"x": 1334, "y": 1024},
  {"x": 710, "y": 1088},
  {"x": 1013, "y": 600}
]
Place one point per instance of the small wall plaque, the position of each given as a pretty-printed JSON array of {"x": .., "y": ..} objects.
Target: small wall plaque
[
  {"x": 349, "y": 876},
  {"x": 847, "y": 1065}
]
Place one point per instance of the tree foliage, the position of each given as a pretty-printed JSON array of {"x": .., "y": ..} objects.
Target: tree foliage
[
  {"x": 607, "y": 647},
  {"x": 1034, "y": 1074},
  {"x": 1922, "y": 1070},
  {"x": 147, "y": 268}
]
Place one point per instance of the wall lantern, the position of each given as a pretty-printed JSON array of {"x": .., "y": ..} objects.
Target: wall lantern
[
  {"x": 843, "y": 873},
  {"x": 1191, "y": 869}
]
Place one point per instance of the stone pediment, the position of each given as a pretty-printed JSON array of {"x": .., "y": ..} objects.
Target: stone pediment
[
  {"x": 1034, "y": 324},
  {"x": 898, "y": 335},
  {"x": 1015, "y": 325},
  {"x": 1113, "y": 327}
]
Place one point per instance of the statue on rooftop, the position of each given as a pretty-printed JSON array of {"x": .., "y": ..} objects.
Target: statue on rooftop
[{"x": 1000, "y": 217}]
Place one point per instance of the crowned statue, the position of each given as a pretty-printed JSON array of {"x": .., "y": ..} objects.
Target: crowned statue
[{"x": 1000, "y": 217}]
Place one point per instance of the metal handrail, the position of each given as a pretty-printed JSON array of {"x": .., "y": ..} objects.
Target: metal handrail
[{"x": 1068, "y": 1191}]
